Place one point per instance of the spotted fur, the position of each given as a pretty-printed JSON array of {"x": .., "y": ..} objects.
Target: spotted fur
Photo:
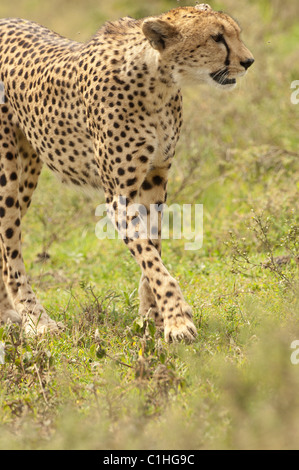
[{"x": 106, "y": 113}]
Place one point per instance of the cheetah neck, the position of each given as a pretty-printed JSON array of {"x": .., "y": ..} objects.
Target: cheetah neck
[
  {"x": 138, "y": 67},
  {"x": 157, "y": 79}
]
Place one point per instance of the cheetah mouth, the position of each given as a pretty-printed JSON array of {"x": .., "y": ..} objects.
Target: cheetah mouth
[{"x": 221, "y": 78}]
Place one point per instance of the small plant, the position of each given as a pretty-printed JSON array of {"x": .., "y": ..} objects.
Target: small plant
[{"x": 261, "y": 228}]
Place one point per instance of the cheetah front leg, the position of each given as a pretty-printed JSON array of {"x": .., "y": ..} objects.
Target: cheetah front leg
[
  {"x": 152, "y": 197},
  {"x": 166, "y": 294}
]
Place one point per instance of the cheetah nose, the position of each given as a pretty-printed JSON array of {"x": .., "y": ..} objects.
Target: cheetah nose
[{"x": 247, "y": 63}]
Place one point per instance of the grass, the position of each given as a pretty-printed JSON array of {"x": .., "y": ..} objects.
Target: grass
[{"x": 109, "y": 381}]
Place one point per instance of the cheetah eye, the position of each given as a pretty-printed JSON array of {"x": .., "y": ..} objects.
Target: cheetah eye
[{"x": 218, "y": 38}]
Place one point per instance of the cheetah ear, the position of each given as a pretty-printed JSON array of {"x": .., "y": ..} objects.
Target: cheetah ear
[{"x": 158, "y": 32}]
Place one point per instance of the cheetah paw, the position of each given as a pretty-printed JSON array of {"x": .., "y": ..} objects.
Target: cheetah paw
[
  {"x": 179, "y": 326},
  {"x": 10, "y": 316},
  {"x": 39, "y": 326}
]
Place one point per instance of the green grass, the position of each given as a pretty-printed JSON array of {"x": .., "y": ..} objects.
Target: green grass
[{"x": 109, "y": 381}]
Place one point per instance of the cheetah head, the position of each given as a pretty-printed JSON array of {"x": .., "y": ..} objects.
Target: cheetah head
[{"x": 199, "y": 44}]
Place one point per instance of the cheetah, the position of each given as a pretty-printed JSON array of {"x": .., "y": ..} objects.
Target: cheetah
[{"x": 104, "y": 114}]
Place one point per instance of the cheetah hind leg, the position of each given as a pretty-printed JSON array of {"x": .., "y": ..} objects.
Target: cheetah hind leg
[
  {"x": 30, "y": 314},
  {"x": 148, "y": 304},
  {"x": 25, "y": 168},
  {"x": 7, "y": 310}
]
